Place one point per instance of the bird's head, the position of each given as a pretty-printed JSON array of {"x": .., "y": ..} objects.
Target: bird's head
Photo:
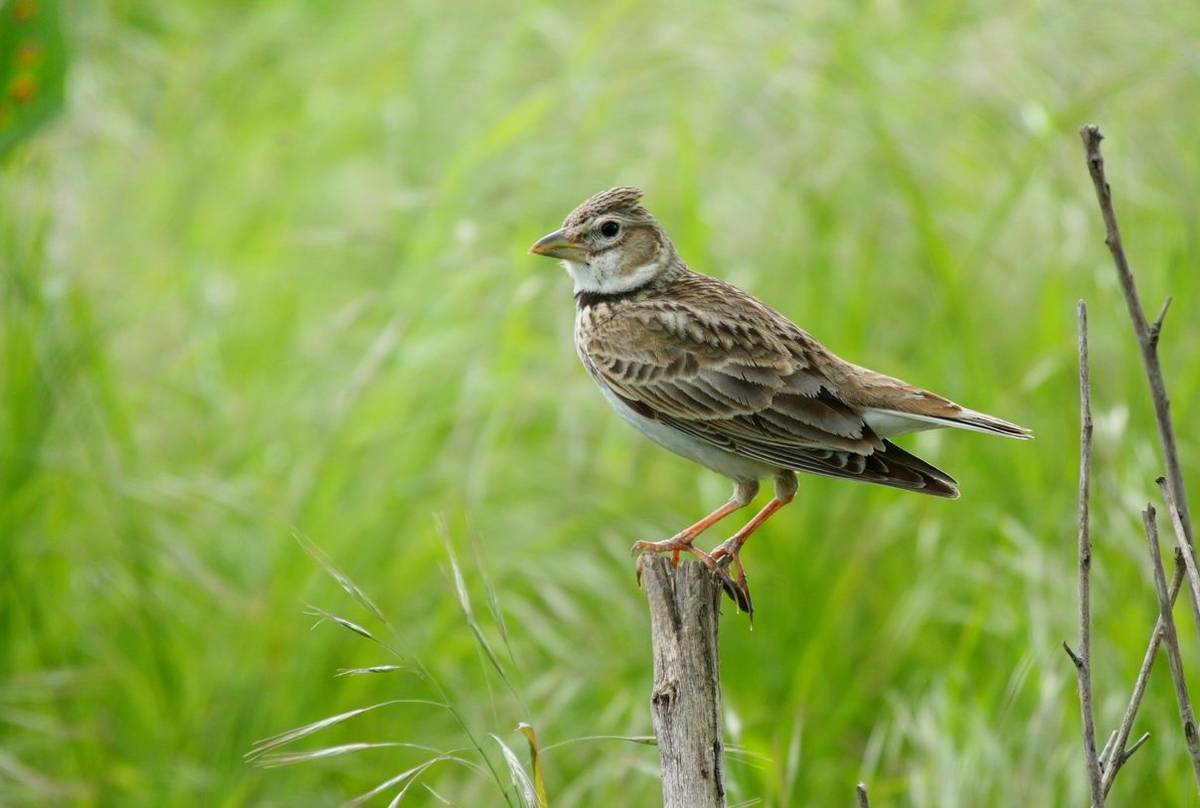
[{"x": 609, "y": 244}]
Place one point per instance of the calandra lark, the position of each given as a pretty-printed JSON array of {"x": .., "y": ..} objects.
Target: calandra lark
[{"x": 709, "y": 372}]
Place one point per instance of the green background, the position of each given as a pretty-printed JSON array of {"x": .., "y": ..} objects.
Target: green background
[{"x": 267, "y": 273}]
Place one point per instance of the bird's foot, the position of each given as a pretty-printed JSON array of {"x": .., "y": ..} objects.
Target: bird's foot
[
  {"x": 728, "y": 554},
  {"x": 676, "y": 546}
]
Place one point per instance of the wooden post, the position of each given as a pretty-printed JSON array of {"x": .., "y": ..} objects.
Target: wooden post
[{"x": 686, "y": 701}]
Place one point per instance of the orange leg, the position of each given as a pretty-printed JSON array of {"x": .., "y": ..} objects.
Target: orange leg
[
  {"x": 743, "y": 494},
  {"x": 728, "y": 551},
  {"x": 683, "y": 539}
]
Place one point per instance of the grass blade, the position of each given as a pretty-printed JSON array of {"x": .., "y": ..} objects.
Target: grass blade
[
  {"x": 408, "y": 777},
  {"x": 317, "y": 611},
  {"x": 372, "y": 669},
  {"x": 535, "y": 762},
  {"x": 464, "y": 601},
  {"x": 493, "y": 601},
  {"x": 644, "y": 740},
  {"x": 520, "y": 777},
  {"x": 284, "y": 738},
  {"x": 271, "y": 761},
  {"x": 436, "y": 795},
  {"x": 352, "y": 589},
  {"x": 391, "y": 782}
]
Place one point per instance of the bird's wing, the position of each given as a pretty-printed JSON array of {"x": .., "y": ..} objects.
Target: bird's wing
[{"x": 749, "y": 382}]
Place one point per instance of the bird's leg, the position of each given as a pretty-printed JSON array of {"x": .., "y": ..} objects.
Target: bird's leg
[
  {"x": 683, "y": 539},
  {"x": 743, "y": 494},
  {"x": 728, "y": 551}
]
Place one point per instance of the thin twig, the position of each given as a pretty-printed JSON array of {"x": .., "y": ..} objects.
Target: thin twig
[
  {"x": 1147, "y": 335},
  {"x": 1107, "y": 750},
  {"x": 1171, "y": 640},
  {"x": 1156, "y": 326},
  {"x": 1136, "y": 746},
  {"x": 1119, "y": 754},
  {"x": 1185, "y": 549},
  {"x": 863, "y": 800},
  {"x": 1083, "y": 660}
]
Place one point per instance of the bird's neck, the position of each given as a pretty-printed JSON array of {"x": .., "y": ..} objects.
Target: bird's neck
[{"x": 664, "y": 277}]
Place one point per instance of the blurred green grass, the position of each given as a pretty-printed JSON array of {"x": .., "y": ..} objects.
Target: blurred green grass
[{"x": 268, "y": 273}]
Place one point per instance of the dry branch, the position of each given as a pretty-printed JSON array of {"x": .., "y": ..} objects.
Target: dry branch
[
  {"x": 1115, "y": 753},
  {"x": 1147, "y": 334},
  {"x": 1185, "y": 548},
  {"x": 864, "y": 801},
  {"x": 1171, "y": 641},
  {"x": 686, "y": 701},
  {"x": 1083, "y": 660},
  {"x": 1118, "y": 755}
]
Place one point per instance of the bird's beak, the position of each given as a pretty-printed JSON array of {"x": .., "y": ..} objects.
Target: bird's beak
[{"x": 558, "y": 245}]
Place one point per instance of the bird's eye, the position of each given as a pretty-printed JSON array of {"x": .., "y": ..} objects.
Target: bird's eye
[{"x": 610, "y": 229}]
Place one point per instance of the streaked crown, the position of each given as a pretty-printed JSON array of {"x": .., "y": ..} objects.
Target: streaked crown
[{"x": 622, "y": 199}]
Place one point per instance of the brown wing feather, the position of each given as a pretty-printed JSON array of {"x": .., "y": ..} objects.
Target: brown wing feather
[
  {"x": 891, "y": 465},
  {"x": 755, "y": 386}
]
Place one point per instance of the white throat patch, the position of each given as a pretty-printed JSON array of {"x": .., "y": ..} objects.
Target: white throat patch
[{"x": 603, "y": 275}]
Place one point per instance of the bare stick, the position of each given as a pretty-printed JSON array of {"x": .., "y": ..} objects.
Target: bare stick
[
  {"x": 1171, "y": 640},
  {"x": 1147, "y": 334},
  {"x": 1185, "y": 549},
  {"x": 1083, "y": 660},
  {"x": 863, "y": 800},
  {"x": 1118, "y": 755},
  {"x": 1107, "y": 751},
  {"x": 1136, "y": 746},
  {"x": 686, "y": 702}
]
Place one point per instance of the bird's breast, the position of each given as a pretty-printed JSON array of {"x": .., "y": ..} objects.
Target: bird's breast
[{"x": 706, "y": 454}]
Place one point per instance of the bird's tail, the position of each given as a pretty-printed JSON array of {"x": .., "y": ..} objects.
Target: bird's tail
[{"x": 900, "y": 422}]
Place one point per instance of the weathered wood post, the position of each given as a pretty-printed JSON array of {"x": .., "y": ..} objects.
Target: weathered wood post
[{"x": 686, "y": 701}]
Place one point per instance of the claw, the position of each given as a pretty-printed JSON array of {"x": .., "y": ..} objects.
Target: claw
[
  {"x": 739, "y": 593},
  {"x": 674, "y": 546},
  {"x": 727, "y": 583},
  {"x": 725, "y": 555},
  {"x": 718, "y": 562},
  {"x": 734, "y": 589}
]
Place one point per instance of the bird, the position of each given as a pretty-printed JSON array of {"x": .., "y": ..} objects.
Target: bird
[{"x": 715, "y": 375}]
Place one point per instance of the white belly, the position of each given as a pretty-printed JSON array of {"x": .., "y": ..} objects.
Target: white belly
[{"x": 720, "y": 461}]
